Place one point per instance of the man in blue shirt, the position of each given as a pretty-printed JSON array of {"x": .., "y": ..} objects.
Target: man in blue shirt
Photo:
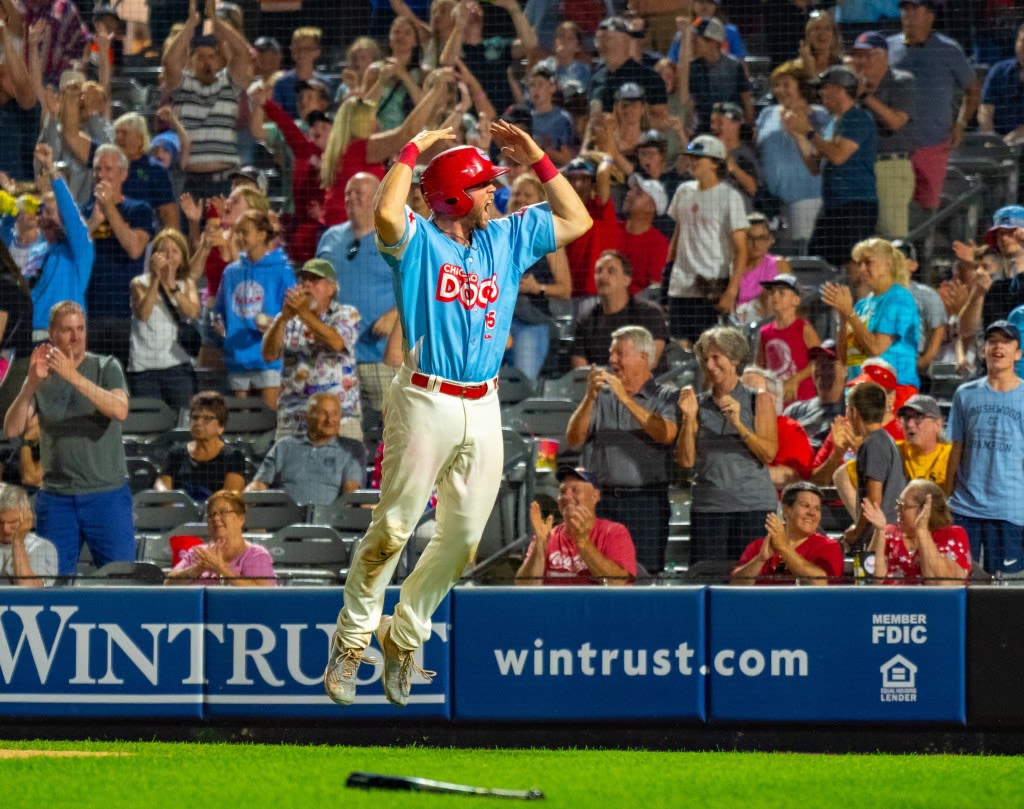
[
  {"x": 844, "y": 152},
  {"x": 986, "y": 425},
  {"x": 364, "y": 281},
  {"x": 940, "y": 71},
  {"x": 456, "y": 277},
  {"x": 1002, "y": 96}
]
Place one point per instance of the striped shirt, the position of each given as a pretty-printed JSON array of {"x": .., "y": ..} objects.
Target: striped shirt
[
  {"x": 209, "y": 112},
  {"x": 65, "y": 40}
]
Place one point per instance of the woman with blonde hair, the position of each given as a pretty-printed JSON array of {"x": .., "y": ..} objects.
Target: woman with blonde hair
[
  {"x": 822, "y": 45},
  {"x": 883, "y": 324},
  {"x": 162, "y": 297},
  {"x": 354, "y": 145}
]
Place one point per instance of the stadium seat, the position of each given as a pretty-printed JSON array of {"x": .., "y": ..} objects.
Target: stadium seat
[
  {"x": 147, "y": 415},
  {"x": 539, "y": 417},
  {"x": 120, "y": 574},
  {"x": 271, "y": 510},
  {"x": 571, "y": 385},
  {"x": 142, "y": 473},
  {"x": 513, "y": 385},
  {"x": 306, "y": 553},
  {"x": 156, "y": 512},
  {"x": 350, "y": 513}
]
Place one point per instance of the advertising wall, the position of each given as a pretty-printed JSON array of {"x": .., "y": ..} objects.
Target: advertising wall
[
  {"x": 579, "y": 653},
  {"x": 879, "y": 654},
  {"x": 266, "y": 653},
  {"x": 101, "y": 652},
  {"x": 721, "y": 654}
]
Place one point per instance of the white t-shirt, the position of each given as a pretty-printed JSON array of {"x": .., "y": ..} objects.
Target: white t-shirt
[{"x": 705, "y": 221}]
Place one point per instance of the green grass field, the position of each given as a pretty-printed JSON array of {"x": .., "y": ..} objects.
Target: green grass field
[{"x": 191, "y": 776}]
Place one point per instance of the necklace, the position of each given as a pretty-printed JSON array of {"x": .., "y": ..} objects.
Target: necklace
[{"x": 454, "y": 236}]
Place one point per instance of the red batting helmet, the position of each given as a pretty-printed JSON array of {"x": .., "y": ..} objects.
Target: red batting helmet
[{"x": 448, "y": 175}]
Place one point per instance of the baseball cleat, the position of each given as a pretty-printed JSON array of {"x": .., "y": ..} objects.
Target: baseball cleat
[
  {"x": 399, "y": 665},
  {"x": 340, "y": 674}
]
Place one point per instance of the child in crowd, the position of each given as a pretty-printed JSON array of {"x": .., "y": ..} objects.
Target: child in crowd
[
  {"x": 880, "y": 475},
  {"x": 785, "y": 342},
  {"x": 752, "y": 301}
]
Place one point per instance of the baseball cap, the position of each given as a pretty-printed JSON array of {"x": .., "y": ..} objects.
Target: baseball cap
[
  {"x": 321, "y": 268},
  {"x": 826, "y": 349},
  {"x": 267, "y": 44},
  {"x": 840, "y": 76},
  {"x": 870, "y": 40},
  {"x": 782, "y": 280},
  {"x": 1009, "y": 217},
  {"x": 706, "y": 146},
  {"x": 312, "y": 84},
  {"x": 319, "y": 116},
  {"x": 168, "y": 141},
  {"x": 101, "y": 10},
  {"x": 728, "y": 109},
  {"x": 577, "y": 472},
  {"x": 252, "y": 174},
  {"x": 920, "y": 403},
  {"x": 231, "y": 13},
  {"x": 652, "y": 188},
  {"x": 653, "y": 137},
  {"x": 907, "y": 248},
  {"x": 617, "y": 25},
  {"x": 630, "y": 91},
  {"x": 1004, "y": 326},
  {"x": 876, "y": 370},
  {"x": 579, "y": 166},
  {"x": 711, "y": 28}
]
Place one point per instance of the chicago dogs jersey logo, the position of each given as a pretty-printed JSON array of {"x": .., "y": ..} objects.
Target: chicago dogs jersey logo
[{"x": 455, "y": 284}]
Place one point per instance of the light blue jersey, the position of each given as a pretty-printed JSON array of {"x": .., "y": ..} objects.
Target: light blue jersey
[
  {"x": 990, "y": 426},
  {"x": 458, "y": 319}
]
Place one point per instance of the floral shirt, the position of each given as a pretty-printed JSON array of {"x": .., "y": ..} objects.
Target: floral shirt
[
  {"x": 311, "y": 367},
  {"x": 905, "y": 564}
]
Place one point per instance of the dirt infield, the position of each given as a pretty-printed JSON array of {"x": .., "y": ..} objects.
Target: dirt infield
[{"x": 6, "y": 753}]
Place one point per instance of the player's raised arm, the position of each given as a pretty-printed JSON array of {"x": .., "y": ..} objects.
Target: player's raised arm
[
  {"x": 567, "y": 209},
  {"x": 389, "y": 202}
]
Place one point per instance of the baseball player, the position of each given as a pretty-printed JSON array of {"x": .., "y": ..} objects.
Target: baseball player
[{"x": 456, "y": 277}]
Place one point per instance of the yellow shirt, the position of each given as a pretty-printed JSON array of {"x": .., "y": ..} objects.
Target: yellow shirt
[{"x": 916, "y": 464}]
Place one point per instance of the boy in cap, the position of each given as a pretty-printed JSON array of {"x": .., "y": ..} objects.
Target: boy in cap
[
  {"x": 643, "y": 244},
  {"x": 785, "y": 342}
]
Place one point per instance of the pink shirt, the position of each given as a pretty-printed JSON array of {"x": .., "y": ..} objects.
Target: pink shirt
[
  {"x": 254, "y": 562},
  {"x": 750, "y": 284}
]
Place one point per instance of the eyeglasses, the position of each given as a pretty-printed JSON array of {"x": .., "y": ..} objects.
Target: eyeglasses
[
  {"x": 353, "y": 250},
  {"x": 907, "y": 506},
  {"x": 910, "y": 417},
  {"x": 201, "y": 417},
  {"x": 223, "y": 513}
]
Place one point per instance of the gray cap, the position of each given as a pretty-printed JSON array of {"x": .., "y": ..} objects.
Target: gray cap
[
  {"x": 706, "y": 146},
  {"x": 920, "y": 403}
]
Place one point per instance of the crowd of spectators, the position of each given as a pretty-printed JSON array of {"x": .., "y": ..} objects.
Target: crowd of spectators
[{"x": 142, "y": 245}]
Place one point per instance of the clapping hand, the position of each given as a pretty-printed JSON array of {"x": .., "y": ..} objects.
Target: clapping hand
[
  {"x": 839, "y": 298},
  {"x": 730, "y": 408},
  {"x": 873, "y": 514}
]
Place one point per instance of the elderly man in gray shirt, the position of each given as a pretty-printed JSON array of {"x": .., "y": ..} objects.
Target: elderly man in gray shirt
[
  {"x": 626, "y": 424},
  {"x": 26, "y": 560},
  {"x": 318, "y": 467}
]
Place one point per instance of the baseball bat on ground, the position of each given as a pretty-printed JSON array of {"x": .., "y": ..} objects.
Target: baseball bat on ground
[{"x": 407, "y": 783}]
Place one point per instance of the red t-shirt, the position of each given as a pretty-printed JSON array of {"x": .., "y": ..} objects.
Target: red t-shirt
[
  {"x": 785, "y": 352},
  {"x": 817, "y": 549},
  {"x": 794, "y": 447},
  {"x": 564, "y": 565},
  {"x": 582, "y": 253},
  {"x": 351, "y": 162},
  {"x": 647, "y": 253}
]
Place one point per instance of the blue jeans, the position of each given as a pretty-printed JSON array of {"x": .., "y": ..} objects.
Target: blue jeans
[
  {"x": 103, "y": 520},
  {"x": 998, "y": 544},
  {"x": 530, "y": 344}
]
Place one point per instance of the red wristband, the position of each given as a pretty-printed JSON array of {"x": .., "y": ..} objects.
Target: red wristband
[
  {"x": 409, "y": 155},
  {"x": 544, "y": 169}
]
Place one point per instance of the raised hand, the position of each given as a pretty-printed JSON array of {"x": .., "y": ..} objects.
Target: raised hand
[
  {"x": 541, "y": 527},
  {"x": 428, "y": 137},
  {"x": 193, "y": 210},
  {"x": 838, "y": 297},
  {"x": 688, "y": 402},
  {"x": 873, "y": 514},
  {"x": 515, "y": 143}
]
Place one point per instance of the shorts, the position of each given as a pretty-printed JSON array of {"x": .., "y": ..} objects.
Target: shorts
[{"x": 254, "y": 380}]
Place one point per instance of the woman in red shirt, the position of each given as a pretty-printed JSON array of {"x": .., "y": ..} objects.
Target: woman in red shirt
[
  {"x": 925, "y": 546},
  {"x": 794, "y": 548}
]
